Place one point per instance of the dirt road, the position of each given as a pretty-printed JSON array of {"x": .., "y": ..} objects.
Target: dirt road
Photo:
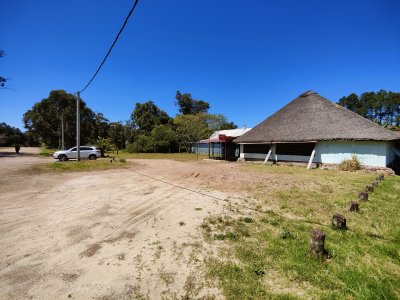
[{"x": 103, "y": 235}]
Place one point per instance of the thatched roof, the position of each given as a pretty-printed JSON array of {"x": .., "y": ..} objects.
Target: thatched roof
[{"x": 311, "y": 117}]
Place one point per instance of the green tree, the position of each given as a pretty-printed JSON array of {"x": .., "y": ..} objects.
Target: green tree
[
  {"x": 10, "y": 136},
  {"x": 191, "y": 128},
  {"x": 100, "y": 126},
  {"x": 163, "y": 138},
  {"x": 187, "y": 105},
  {"x": 381, "y": 107},
  {"x": 103, "y": 145},
  {"x": 45, "y": 119},
  {"x": 146, "y": 116},
  {"x": 117, "y": 135},
  {"x": 142, "y": 143},
  {"x": 218, "y": 122}
]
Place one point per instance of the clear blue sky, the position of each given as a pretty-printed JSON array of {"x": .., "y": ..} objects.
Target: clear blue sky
[{"x": 246, "y": 58}]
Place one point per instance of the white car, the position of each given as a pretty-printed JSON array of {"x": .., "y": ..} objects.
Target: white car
[{"x": 89, "y": 152}]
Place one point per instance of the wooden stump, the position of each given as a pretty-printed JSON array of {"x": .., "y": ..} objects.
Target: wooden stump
[
  {"x": 363, "y": 196},
  {"x": 375, "y": 183},
  {"x": 354, "y": 206},
  {"x": 339, "y": 221},
  {"x": 369, "y": 188},
  {"x": 317, "y": 245}
]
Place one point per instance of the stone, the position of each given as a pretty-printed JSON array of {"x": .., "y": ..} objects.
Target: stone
[
  {"x": 369, "y": 188},
  {"x": 317, "y": 244},
  {"x": 339, "y": 221},
  {"x": 354, "y": 206},
  {"x": 363, "y": 196},
  {"x": 375, "y": 183}
]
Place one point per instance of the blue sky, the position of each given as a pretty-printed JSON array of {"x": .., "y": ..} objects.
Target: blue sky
[{"x": 246, "y": 58}]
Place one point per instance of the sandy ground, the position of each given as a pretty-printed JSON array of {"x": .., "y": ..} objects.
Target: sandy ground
[{"x": 116, "y": 234}]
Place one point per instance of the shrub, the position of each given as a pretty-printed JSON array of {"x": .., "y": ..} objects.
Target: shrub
[{"x": 352, "y": 164}]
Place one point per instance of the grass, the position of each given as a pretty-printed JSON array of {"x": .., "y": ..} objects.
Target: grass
[
  {"x": 81, "y": 166},
  {"x": 173, "y": 156},
  {"x": 47, "y": 152},
  {"x": 266, "y": 256}
]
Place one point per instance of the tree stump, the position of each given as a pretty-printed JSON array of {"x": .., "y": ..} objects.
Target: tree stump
[
  {"x": 317, "y": 245},
  {"x": 381, "y": 177},
  {"x": 363, "y": 196},
  {"x": 339, "y": 221},
  {"x": 354, "y": 206},
  {"x": 369, "y": 188},
  {"x": 375, "y": 182}
]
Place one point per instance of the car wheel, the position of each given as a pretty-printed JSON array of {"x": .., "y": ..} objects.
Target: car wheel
[
  {"x": 62, "y": 157},
  {"x": 92, "y": 157}
]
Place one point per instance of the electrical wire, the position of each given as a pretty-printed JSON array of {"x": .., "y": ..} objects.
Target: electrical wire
[
  {"x": 191, "y": 190},
  {"x": 112, "y": 46}
]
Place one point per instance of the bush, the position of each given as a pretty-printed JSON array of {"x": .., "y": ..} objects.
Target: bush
[
  {"x": 143, "y": 144},
  {"x": 352, "y": 164}
]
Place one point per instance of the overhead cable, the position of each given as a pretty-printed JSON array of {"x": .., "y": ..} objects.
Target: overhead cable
[{"x": 115, "y": 41}]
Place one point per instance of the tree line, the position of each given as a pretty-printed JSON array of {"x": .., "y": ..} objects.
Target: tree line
[
  {"x": 381, "y": 107},
  {"x": 149, "y": 129}
]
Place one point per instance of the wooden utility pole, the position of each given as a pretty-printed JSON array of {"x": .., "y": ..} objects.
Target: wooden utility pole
[
  {"x": 78, "y": 128},
  {"x": 62, "y": 133}
]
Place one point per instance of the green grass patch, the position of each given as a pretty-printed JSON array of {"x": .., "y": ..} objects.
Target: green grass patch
[
  {"x": 83, "y": 165},
  {"x": 171, "y": 156},
  {"x": 47, "y": 152},
  {"x": 266, "y": 256}
]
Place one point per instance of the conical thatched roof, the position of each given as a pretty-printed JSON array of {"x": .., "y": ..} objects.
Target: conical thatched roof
[{"x": 311, "y": 117}]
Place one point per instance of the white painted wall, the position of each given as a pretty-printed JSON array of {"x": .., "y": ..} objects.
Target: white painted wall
[{"x": 370, "y": 153}]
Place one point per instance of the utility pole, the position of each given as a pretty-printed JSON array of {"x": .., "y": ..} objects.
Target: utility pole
[
  {"x": 62, "y": 133},
  {"x": 78, "y": 128}
]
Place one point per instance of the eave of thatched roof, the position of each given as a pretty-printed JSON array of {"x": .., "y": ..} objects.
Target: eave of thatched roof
[{"x": 311, "y": 117}]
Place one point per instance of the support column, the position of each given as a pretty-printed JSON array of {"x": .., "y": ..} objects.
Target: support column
[
  {"x": 311, "y": 159},
  {"x": 267, "y": 157}
]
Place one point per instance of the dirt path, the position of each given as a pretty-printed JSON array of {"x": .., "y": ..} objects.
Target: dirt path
[{"x": 103, "y": 235}]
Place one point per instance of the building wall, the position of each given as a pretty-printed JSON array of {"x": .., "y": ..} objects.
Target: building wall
[{"x": 370, "y": 153}]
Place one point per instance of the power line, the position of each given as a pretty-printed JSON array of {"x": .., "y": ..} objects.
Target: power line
[
  {"x": 191, "y": 190},
  {"x": 115, "y": 41}
]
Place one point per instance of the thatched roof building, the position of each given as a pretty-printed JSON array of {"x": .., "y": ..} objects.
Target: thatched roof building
[
  {"x": 311, "y": 117},
  {"x": 313, "y": 129}
]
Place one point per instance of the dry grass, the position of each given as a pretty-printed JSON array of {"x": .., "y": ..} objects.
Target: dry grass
[
  {"x": 265, "y": 255},
  {"x": 171, "y": 156}
]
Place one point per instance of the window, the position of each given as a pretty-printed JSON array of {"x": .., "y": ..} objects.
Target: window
[
  {"x": 302, "y": 149},
  {"x": 256, "y": 148}
]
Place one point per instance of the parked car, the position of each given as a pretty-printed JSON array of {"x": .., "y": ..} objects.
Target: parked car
[{"x": 89, "y": 152}]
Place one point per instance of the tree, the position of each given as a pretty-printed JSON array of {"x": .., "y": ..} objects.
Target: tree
[
  {"x": 45, "y": 120},
  {"x": 191, "y": 128},
  {"x": 103, "y": 145},
  {"x": 10, "y": 136},
  {"x": 163, "y": 137},
  {"x": 147, "y": 115},
  {"x": 381, "y": 107},
  {"x": 143, "y": 143},
  {"x": 117, "y": 134},
  {"x": 218, "y": 122},
  {"x": 187, "y": 105},
  {"x": 101, "y": 126}
]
